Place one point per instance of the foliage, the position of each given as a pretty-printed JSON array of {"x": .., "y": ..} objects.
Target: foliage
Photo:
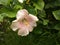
[{"x": 47, "y": 31}]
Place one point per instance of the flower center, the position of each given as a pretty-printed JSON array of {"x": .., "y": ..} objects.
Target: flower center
[{"x": 25, "y": 22}]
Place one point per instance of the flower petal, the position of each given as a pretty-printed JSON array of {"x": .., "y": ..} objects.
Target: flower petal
[
  {"x": 31, "y": 21},
  {"x": 33, "y": 17},
  {"x": 33, "y": 24},
  {"x": 23, "y": 32},
  {"x": 14, "y": 25},
  {"x": 21, "y": 14},
  {"x": 21, "y": 1},
  {"x": 30, "y": 28}
]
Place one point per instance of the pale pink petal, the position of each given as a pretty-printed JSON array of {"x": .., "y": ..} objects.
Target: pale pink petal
[
  {"x": 33, "y": 24},
  {"x": 21, "y": 25},
  {"x": 14, "y": 25},
  {"x": 28, "y": 18},
  {"x": 33, "y": 17},
  {"x": 31, "y": 21},
  {"x": 30, "y": 28},
  {"x": 23, "y": 32},
  {"x": 21, "y": 14},
  {"x": 25, "y": 27}
]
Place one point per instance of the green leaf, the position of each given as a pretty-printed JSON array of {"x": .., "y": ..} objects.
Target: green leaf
[
  {"x": 42, "y": 14},
  {"x": 57, "y": 14},
  {"x": 52, "y": 5},
  {"x": 8, "y": 13},
  {"x": 17, "y": 7},
  {"x": 37, "y": 31},
  {"x": 45, "y": 22},
  {"x": 30, "y": 9},
  {"x": 39, "y": 4},
  {"x": 57, "y": 26},
  {"x": 1, "y": 17},
  {"x": 5, "y": 2}
]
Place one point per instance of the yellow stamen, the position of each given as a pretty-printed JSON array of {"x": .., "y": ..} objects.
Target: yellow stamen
[{"x": 25, "y": 22}]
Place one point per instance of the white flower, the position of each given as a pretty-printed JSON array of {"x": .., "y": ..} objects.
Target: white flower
[
  {"x": 21, "y": 1},
  {"x": 24, "y": 22}
]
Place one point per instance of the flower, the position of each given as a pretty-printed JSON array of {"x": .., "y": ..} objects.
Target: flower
[
  {"x": 21, "y": 1},
  {"x": 24, "y": 22}
]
